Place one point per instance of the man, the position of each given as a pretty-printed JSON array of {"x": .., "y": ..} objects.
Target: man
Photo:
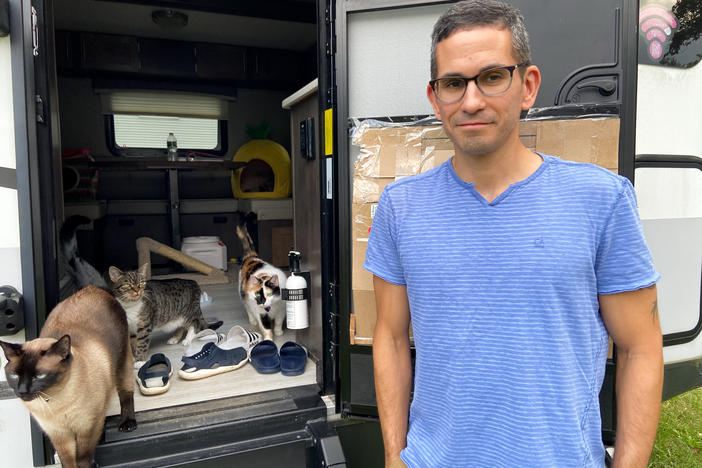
[{"x": 516, "y": 267}]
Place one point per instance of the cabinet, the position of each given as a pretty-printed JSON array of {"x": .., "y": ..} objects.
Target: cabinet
[
  {"x": 276, "y": 65},
  {"x": 172, "y": 58},
  {"x": 137, "y": 57},
  {"x": 220, "y": 62},
  {"x": 106, "y": 52}
]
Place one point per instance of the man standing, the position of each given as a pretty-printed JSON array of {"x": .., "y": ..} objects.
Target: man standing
[{"x": 515, "y": 266}]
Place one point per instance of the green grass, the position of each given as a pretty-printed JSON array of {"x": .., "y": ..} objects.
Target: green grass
[{"x": 679, "y": 438}]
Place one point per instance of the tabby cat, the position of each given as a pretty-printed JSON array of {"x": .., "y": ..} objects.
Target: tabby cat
[
  {"x": 68, "y": 375},
  {"x": 259, "y": 286},
  {"x": 171, "y": 305}
]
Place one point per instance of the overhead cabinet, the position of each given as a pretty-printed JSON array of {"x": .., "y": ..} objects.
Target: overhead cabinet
[
  {"x": 90, "y": 53},
  {"x": 109, "y": 53},
  {"x": 210, "y": 63}
]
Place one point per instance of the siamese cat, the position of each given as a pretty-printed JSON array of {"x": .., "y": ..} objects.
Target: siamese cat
[
  {"x": 68, "y": 375},
  {"x": 172, "y": 305},
  {"x": 259, "y": 286}
]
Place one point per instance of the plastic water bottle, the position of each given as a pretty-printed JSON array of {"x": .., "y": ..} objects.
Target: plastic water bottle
[{"x": 172, "y": 145}]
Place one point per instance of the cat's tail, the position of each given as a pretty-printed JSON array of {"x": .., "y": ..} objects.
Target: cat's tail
[
  {"x": 83, "y": 273},
  {"x": 246, "y": 241},
  {"x": 204, "y": 324},
  {"x": 69, "y": 245}
]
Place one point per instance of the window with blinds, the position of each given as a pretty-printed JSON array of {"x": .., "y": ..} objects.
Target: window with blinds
[
  {"x": 140, "y": 121},
  {"x": 151, "y": 131}
]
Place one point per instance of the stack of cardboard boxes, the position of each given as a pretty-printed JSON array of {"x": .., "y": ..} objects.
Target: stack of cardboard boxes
[{"x": 383, "y": 154}]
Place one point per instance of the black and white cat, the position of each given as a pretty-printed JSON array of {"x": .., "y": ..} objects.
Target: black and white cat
[
  {"x": 80, "y": 271},
  {"x": 171, "y": 305},
  {"x": 260, "y": 284}
]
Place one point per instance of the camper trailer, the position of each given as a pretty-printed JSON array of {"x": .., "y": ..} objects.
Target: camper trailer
[{"x": 291, "y": 117}]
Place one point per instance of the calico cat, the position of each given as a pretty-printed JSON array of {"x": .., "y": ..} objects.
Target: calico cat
[
  {"x": 81, "y": 272},
  {"x": 259, "y": 286},
  {"x": 68, "y": 375},
  {"x": 171, "y": 305}
]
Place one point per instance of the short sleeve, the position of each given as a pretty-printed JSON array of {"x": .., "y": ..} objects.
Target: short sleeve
[
  {"x": 382, "y": 256},
  {"x": 624, "y": 262}
]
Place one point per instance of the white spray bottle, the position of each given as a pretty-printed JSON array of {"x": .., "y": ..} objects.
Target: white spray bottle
[{"x": 295, "y": 295}]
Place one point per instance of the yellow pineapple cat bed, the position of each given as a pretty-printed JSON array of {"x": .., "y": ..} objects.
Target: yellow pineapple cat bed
[{"x": 267, "y": 172}]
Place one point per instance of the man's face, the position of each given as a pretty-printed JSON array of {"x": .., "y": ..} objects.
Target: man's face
[{"x": 479, "y": 124}]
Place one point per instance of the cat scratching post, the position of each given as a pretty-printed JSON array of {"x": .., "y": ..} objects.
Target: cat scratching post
[{"x": 146, "y": 245}]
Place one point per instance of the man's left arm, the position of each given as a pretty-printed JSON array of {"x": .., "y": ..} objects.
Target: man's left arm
[{"x": 632, "y": 321}]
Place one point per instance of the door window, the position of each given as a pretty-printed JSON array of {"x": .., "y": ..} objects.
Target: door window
[{"x": 670, "y": 32}]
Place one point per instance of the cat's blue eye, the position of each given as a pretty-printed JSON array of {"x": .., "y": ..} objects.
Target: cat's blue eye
[
  {"x": 40, "y": 376},
  {"x": 13, "y": 376}
]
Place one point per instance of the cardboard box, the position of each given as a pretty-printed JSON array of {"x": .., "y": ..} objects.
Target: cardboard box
[
  {"x": 388, "y": 153},
  {"x": 365, "y": 313},
  {"x": 362, "y": 217},
  {"x": 368, "y": 189}
]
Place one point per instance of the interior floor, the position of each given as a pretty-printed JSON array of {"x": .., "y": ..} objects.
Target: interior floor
[{"x": 226, "y": 306}]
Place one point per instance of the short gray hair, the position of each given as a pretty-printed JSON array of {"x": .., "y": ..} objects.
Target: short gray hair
[{"x": 471, "y": 13}]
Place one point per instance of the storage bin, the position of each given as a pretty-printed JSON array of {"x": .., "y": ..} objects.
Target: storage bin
[{"x": 207, "y": 249}]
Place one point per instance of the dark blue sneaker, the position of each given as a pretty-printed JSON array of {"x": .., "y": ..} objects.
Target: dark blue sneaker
[
  {"x": 225, "y": 356},
  {"x": 154, "y": 377}
]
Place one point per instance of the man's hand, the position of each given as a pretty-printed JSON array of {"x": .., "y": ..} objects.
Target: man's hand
[{"x": 632, "y": 321}]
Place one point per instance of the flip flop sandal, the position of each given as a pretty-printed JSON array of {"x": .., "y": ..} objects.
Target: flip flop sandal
[
  {"x": 293, "y": 359},
  {"x": 265, "y": 358},
  {"x": 154, "y": 377},
  {"x": 225, "y": 356}
]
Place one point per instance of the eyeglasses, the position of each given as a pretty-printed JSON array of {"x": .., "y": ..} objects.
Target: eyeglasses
[{"x": 490, "y": 82}]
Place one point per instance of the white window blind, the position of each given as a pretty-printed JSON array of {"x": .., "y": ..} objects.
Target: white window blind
[
  {"x": 151, "y": 131},
  {"x": 163, "y": 103}
]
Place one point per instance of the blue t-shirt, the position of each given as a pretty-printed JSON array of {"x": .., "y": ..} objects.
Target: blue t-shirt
[{"x": 511, "y": 348}]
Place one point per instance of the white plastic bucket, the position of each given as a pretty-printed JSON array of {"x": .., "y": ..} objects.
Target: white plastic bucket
[{"x": 207, "y": 249}]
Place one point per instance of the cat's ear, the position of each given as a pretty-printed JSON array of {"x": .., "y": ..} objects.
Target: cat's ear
[
  {"x": 62, "y": 347},
  {"x": 253, "y": 282},
  {"x": 143, "y": 270},
  {"x": 115, "y": 274},
  {"x": 273, "y": 282},
  {"x": 11, "y": 350}
]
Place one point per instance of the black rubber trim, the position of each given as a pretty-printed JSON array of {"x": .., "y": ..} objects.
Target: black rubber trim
[{"x": 680, "y": 162}]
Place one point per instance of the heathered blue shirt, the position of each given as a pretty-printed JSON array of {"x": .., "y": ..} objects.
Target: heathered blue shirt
[{"x": 511, "y": 348}]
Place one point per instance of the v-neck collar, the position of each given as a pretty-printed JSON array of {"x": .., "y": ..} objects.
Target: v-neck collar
[{"x": 470, "y": 186}]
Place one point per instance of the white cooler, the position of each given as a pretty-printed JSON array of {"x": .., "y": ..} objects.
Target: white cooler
[{"x": 207, "y": 249}]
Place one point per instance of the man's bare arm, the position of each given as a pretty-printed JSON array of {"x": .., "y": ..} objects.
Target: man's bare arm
[
  {"x": 392, "y": 364},
  {"x": 632, "y": 321}
]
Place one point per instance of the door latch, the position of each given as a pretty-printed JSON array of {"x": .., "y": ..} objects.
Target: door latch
[{"x": 11, "y": 312}]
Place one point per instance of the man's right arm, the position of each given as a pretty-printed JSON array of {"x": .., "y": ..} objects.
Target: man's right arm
[{"x": 392, "y": 364}]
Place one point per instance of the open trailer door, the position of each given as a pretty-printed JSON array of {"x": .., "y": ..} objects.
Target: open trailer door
[
  {"x": 668, "y": 178},
  {"x": 378, "y": 69},
  {"x": 28, "y": 201}
]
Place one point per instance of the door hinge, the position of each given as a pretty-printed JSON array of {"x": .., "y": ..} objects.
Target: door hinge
[
  {"x": 35, "y": 32},
  {"x": 330, "y": 42},
  {"x": 39, "y": 108},
  {"x": 331, "y": 96}
]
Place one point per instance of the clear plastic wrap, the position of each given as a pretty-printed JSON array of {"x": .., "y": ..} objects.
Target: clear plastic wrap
[{"x": 383, "y": 152}]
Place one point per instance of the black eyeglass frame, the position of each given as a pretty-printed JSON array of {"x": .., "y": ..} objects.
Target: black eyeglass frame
[{"x": 467, "y": 80}]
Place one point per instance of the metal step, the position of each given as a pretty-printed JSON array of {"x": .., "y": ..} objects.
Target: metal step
[{"x": 180, "y": 435}]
